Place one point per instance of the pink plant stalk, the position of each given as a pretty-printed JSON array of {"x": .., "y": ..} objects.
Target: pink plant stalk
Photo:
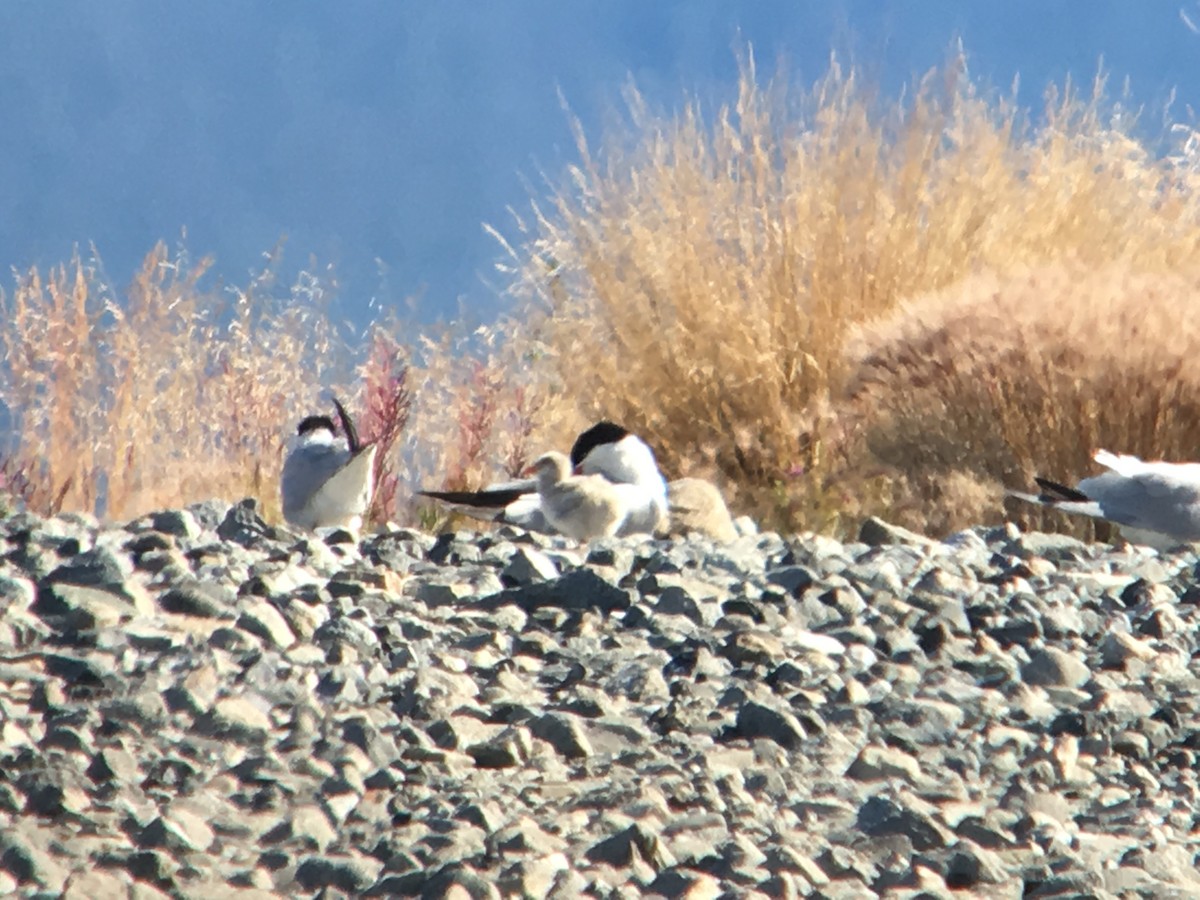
[
  {"x": 23, "y": 480},
  {"x": 476, "y": 416},
  {"x": 527, "y": 405},
  {"x": 388, "y": 405}
]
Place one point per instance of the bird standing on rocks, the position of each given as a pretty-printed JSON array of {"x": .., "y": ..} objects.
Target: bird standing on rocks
[
  {"x": 583, "y": 507},
  {"x": 327, "y": 481},
  {"x": 1155, "y": 503}
]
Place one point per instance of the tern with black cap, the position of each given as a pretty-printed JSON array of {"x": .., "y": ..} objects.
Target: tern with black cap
[
  {"x": 607, "y": 450},
  {"x": 327, "y": 479}
]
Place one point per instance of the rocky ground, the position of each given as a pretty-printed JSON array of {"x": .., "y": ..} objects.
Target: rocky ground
[{"x": 197, "y": 705}]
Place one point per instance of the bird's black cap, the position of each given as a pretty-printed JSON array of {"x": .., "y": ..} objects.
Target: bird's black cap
[
  {"x": 312, "y": 423},
  {"x": 600, "y": 433}
]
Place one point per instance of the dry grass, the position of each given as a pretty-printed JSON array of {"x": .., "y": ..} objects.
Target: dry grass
[
  {"x": 167, "y": 394},
  {"x": 701, "y": 277},
  {"x": 176, "y": 392}
]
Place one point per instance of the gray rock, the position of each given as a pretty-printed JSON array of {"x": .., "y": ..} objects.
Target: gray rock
[
  {"x": 537, "y": 878},
  {"x": 243, "y": 525},
  {"x": 180, "y": 831},
  {"x": 235, "y": 718},
  {"x": 771, "y": 715},
  {"x": 152, "y": 866},
  {"x": 351, "y": 874},
  {"x": 1054, "y": 547},
  {"x": 114, "y": 764},
  {"x": 875, "y": 763},
  {"x": 580, "y": 589},
  {"x": 262, "y": 619},
  {"x": 637, "y": 842},
  {"x": 178, "y": 522},
  {"x": 970, "y": 867},
  {"x": 882, "y": 816},
  {"x": 686, "y": 883},
  {"x": 16, "y": 590},
  {"x": 99, "y": 568},
  {"x": 565, "y": 733},
  {"x": 508, "y": 749},
  {"x": 441, "y": 594},
  {"x": 675, "y": 600},
  {"x": 1052, "y": 667},
  {"x": 82, "y": 608},
  {"x": 793, "y": 580},
  {"x": 528, "y": 566},
  {"x": 756, "y": 720},
  {"x": 29, "y": 861},
  {"x": 210, "y": 513},
  {"x": 202, "y": 599},
  {"x": 878, "y": 533}
]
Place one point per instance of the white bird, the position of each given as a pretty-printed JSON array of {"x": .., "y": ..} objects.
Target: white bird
[
  {"x": 327, "y": 481},
  {"x": 1155, "y": 503},
  {"x": 583, "y": 507},
  {"x": 607, "y": 450}
]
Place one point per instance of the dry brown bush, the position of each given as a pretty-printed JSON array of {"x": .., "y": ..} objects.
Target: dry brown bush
[{"x": 1005, "y": 377}]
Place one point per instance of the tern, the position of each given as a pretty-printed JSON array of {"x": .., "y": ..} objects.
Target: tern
[
  {"x": 327, "y": 480},
  {"x": 607, "y": 450},
  {"x": 583, "y": 507},
  {"x": 1155, "y": 503}
]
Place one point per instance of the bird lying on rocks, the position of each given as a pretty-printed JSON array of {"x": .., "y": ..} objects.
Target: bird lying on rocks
[
  {"x": 606, "y": 450},
  {"x": 1155, "y": 503},
  {"x": 583, "y": 507},
  {"x": 327, "y": 481}
]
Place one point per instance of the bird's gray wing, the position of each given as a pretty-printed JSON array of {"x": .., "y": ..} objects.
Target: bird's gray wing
[
  {"x": 347, "y": 492},
  {"x": 526, "y": 511},
  {"x": 582, "y": 504},
  {"x": 1076, "y": 507},
  {"x": 1153, "y": 501},
  {"x": 642, "y": 511},
  {"x": 323, "y": 486},
  {"x": 305, "y": 470},
  {"x": 566, "y": 502}
]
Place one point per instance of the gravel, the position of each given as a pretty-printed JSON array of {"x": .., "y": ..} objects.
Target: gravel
[{"x": 199, "y": 704}]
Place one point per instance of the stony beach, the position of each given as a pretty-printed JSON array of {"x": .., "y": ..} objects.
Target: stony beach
[{"x": 196, "y": 704}]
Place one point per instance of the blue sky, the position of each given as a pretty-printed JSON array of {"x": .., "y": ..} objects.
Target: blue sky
[{"x": 379, "y": 135}]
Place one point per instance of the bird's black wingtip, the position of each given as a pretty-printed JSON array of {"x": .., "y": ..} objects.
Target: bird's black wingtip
[
  {"x": 494, "y": 499},
  {"x": 352, "y": 439},
  {"x": 1054, "y": 492}
]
